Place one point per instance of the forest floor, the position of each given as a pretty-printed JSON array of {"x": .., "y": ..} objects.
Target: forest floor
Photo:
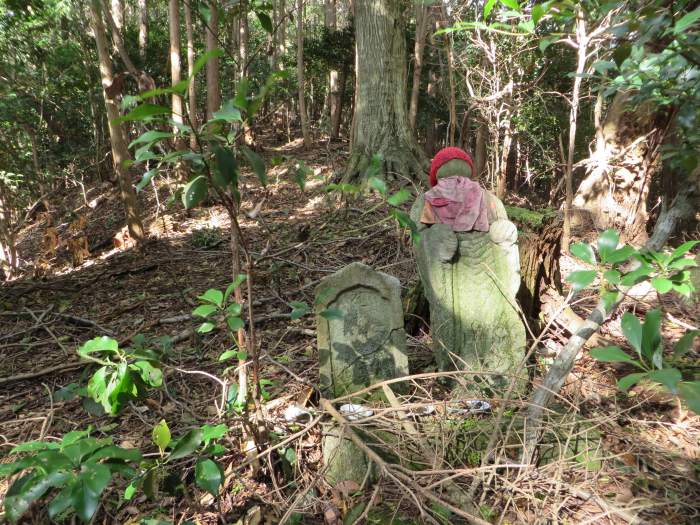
[{"x": 640, "y": 463}]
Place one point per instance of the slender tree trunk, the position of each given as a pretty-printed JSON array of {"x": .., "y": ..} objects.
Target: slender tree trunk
[
  {"x": 300, "y": 75},
  {"x": 192, "y": 87},
  {"x": 381, "y": 117},
  {"x": 422, "y": 22},
  {"x": 449, "y": 52},
  {"x": 212, "y": 35},
  {"x": 502, "y": 176},
  {"x": 175, "y": 77},
  {"x": 334, "y": 96},
  {"x": 118, "y": 15},
  {"x": 582, "y": 41},
  {"x": 243, "y": 40},
  {"x": 143, "y": 27},
  {"x": 117, "y": 38},
  {"x": 282, "y": 33},
  {"x": 120, "y": 152}
]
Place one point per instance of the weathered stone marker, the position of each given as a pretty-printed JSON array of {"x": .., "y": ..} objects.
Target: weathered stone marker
[
  {"x": 470, "y": 277},
  {"x": 361, "y": 339}
]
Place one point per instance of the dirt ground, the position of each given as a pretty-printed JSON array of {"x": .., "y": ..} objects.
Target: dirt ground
[{"x": 643, "y": 468}]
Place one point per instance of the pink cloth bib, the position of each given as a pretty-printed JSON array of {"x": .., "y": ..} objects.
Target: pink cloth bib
[{"x": 459, "y": 202}]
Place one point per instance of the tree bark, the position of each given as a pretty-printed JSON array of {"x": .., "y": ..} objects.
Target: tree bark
[
  {"x": 582, "y": 41},
  {"x": 614, "y": 192},
  {"x": 334, "y": 96},
  {"x": 482, "y": 133},
  {"x": 381, "y": 118},
  {"x": 143, "y": 26},
  {"x": 120, "y": 152},
  {"x": 175, "y": 68},
  {"x": 449, "y": 52},
  {"x": 118, "y": 15},
  {"x": 192, "y": 87},
  {"x": 422, "y": 16},
  {"x": 212, "y": 36},
  {"x": 300, "y": 74},
  {"x": 243, "y": 40},
  {"x": 117, "y": 38}
]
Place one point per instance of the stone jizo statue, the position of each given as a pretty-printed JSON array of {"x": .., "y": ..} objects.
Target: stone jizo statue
[{"x": 469, "y": 265}]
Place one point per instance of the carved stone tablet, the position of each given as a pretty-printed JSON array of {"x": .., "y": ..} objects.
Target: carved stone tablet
[{"x": 361, "y": 339}]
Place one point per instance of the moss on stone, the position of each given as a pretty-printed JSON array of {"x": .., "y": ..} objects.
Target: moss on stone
[{"x": 526, "y": 218}]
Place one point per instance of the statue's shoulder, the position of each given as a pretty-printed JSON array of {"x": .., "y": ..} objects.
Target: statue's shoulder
[
  {"x": 496, "y": 209},
  {"x": 417, "y": 208}
]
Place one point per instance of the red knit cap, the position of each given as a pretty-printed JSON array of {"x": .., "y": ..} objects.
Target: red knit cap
[{"x": 445, "y": 155}]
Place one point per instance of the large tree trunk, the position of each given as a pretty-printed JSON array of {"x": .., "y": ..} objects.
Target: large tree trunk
[
  {"x": 614, "y": 192},
  {"x": 143, "y": 26},
  {"x": 212, "y": 37},
  {"x": 120, "y": 152},
  {"x": 422, "y": 23},
  {"x": 118, "y": 14},
  {"x": 192, "y": 87},
  {"x": 300, "y": 74},
  {"x": 381, "y": 118},
  {"x": 449, "y": 52},
  {"x": 243, "y": 40}
]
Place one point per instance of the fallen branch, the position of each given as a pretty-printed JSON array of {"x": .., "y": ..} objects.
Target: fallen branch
[{"x": 42, "y": 372}]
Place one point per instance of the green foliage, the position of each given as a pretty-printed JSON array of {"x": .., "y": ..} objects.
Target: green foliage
[
  {"x": 125, "y": 374},
  {"x": 79, "y": 468},
  {"x": 666, "y": 271},
  {"x": 645, "y": 339}
]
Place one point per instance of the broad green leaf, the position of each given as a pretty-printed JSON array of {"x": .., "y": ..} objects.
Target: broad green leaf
[
  {"x": 581, "y": 278},
  {"x": 669, "y": 377},
  {"x": 88, "y": 490},
  {"x": 651, "y": 337},
  {"x": 30, "y": 488},
  {"x": 612, "y": 276},
  {"x": 301, "y": 173},
  {"x": 240, "y": 278},
  {"x": 241, "y": 98},
  {"x": 35, "y": 446},
  {"x": 161, "y": 435},
  {"x": 607, "y": 244},
  {"x": 685, "y": 343},
  {"x": 377, "y": 184},
  {"x": 538, "y": 11},
  {"x": 488, "y": 7},
  {"x": 228, "y": 354},
  {"x": 513, "y": 4},
  {"x": 208, "y": 476},
  {"x": 234, "y": 309},
  {"x": 632, "y": 329},
  {"x": 621, "y": 254},
  {"x": 226, "y": 173},
  {"x": 405, "y": 221},
  {"x": 83, "y": 448},
  {"x": 331, "y": 313},
  {"x": 584, "y": 252},
  {"x": 186, "y": 444},
  {"x": 131, "y": 488},
  {"x": 234, "y": 323},
  {"x": 265, "y": 21},
  {"x": 690, "y": 393},
  {"x": 611, "y": 354},
  {"x": 211, "y": 432},
  {"x": 195, "y": 192},
  {"x": 180, "y": 87},
  {"x": 148, "y": 373},
  {"x": 116, "y": 452},
  {"x": 143, "y": 112},
  {"x": 62, "y": 501},
  {"x": 661, "y": 284},
  {"x": 635, "y": 276},
  {"x": 151, "y": 136},
  {"x": 686, "y": 246},
  {"x": 546, "y": 42},
  {"x": 213, "y": 296},
  {"x": 687, "y": 21},
  {"x": 681, "y": 263},
  {"x": 204, "y": 310},
  {"x": 398, "y": 198},
  {"x": 621, "y": 53},
  {"x": 205, "y": 328},
  {"x": 146, "y": 179},
  {"x": 256, "y": 163},
  {"x": 299, "y": 309},
  {"x": 228, "y": 113},
  {"x": 610, "y": 298},
  {"x": 202, "y": 60},
  {"x": 627, "y": 382},
  {"x": 99, "y": 344}
]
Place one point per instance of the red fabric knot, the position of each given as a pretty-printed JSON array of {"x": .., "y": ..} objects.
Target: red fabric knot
[{"x": 445, "y": 155}]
